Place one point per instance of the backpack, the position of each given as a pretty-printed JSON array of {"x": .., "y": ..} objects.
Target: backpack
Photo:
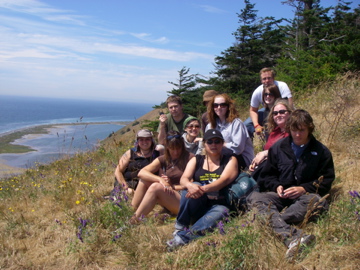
[{"x": 236, "y": 192}]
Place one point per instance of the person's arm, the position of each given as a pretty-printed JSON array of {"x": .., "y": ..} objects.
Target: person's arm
[
  {"x": 291, "y": 103},
  {"x": 255, "y": 119},
  {"x": 260, "y": 157},
  {"x": 162, "y": 129},
  {"x": 194, "y": 190},
  {"x": 121, "y": 167},
  {"x": 227, "y": 176},
  {"x": 148, "y": 173},
  {"x": 238, "y": 136}
]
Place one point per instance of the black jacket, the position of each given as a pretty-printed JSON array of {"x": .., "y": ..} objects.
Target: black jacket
[{"x": 282, "y": 168}]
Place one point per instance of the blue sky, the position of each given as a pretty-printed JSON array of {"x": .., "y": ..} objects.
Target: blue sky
[{"x": 118, "y": 50}]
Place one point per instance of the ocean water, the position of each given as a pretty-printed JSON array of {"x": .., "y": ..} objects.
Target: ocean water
[
  {"x": 95, "y": 121},
  {"x": 21, "y": 112}
]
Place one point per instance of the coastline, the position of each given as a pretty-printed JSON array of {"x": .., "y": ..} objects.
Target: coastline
[
  {"x": 8, "y": 148},
  {"x": 7, "y": 138}
]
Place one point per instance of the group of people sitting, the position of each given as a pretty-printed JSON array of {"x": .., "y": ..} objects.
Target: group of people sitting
[{"x": 187, "y": 174}]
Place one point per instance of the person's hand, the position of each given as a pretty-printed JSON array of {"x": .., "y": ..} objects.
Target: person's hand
[
  {"x": 292, "y": 192},
  {"x": 194, "y": 191},
  {"x": 163, "y": 119},
  {"x": 259, "y": 129},
  {"x": 280, "y": 191},
  {"x": 260, "y": 157},
  {"x": 165, "y": 181}
]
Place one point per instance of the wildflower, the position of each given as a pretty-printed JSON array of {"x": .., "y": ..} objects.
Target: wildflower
[
  {"x": 116, "y": 237},
  {"x": 77, "y": 202},
  {"x": 220, "y": 226},
  {"x": 354, "y": 194},
  {"x": 58, "y": 221}
]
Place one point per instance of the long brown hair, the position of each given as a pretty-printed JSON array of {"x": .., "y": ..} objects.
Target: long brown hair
[
  {"x": 273, "y": 89},
  {"x": 175, "y": 140},
  {"x": 271, "y": 125},
  {"x": 231, "y": 113}
]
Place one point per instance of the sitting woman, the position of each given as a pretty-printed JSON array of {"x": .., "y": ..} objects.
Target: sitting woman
[
  {"x": 193, "y": 143},
  {"x": 162, "y": 187},
  {"x": 270, "y": 94},
  {"x": 224, "y": 117},
  {"x": 126, "y": 172},
  {"x": 203, "y": 203},
  {"x": 276, "y": 124}
]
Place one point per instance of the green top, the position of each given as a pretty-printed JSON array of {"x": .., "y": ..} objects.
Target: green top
[{"x": 172, "y": 125}]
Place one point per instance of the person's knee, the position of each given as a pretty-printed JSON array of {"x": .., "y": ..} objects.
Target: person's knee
[{"x": 155, "y": 188}]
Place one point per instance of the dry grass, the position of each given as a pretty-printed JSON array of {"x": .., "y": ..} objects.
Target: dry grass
[{"x": 42, "y": 209}]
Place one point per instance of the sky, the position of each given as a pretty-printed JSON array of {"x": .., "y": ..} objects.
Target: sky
[{"x": 116, "y": 50}]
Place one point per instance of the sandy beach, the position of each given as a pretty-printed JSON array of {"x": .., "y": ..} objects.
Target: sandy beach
[{"x": 48, "y": 143}]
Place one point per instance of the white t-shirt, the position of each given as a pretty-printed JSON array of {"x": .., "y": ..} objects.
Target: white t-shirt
[{"x": 256, "y": 98}]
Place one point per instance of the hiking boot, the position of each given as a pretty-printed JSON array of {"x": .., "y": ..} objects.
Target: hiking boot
[{"x": 299, "y": 245}]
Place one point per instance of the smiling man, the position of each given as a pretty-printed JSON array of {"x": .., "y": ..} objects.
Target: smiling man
[
  {"x": 174, "y": 120},
  {"x": 299, "y": 171},
  {"x": 255, "y": 121}
]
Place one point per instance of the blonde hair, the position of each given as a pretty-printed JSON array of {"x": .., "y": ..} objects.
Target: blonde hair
[{"x": 271, "y": 125}]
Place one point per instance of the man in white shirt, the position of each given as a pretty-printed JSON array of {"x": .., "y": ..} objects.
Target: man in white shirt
[{"x": 256, "y": 120}]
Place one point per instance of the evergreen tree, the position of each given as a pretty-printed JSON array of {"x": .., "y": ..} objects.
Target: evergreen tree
[
  {"x": 319, "y": 46},
  {"x": 186, "y": 88},
  {"x": 257, "y": 45}
]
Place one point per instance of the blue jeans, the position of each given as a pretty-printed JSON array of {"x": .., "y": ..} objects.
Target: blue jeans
[
  {"x": 262, "y": 115},
  {"x": 203, "y": 213}
]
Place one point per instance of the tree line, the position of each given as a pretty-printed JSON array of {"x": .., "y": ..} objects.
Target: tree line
[{"x": 314, "y": 46}]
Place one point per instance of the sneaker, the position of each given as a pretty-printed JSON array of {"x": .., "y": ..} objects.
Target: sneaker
[
  {"x": 298, "y": 245},
  {"x": 174, "y": 243}
]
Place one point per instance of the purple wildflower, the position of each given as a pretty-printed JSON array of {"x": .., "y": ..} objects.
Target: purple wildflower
[
  {"x": 116, "y": 237},
  {"x": 58, "y": 221},
  {"x": 220, "y": 226},
  {"x": 211, "y": 244},
  {"x": 354, "y": 194}
]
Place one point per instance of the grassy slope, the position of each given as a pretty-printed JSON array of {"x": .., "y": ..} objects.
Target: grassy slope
[{"x": 54, "y": 217}]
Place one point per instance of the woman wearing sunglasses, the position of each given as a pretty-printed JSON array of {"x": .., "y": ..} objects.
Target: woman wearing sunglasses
[
  {"x": 202, "y": 204},
  {"x": 224, "y": 117},
  {"x": 160, "y": 179},
  {"x": 193, "y": 143},
  {"x": 276, "y": 124},
  {"x": 269, "y": 95}
]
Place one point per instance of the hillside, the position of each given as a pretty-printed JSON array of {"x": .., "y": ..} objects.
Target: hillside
[{"x": 55, "y": 216}]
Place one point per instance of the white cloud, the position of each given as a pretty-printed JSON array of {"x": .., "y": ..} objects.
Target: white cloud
[
  {"x": 41, "y": 10},
  {"x": 212, "y": 9},
  {"x": 147, "y": 37}
]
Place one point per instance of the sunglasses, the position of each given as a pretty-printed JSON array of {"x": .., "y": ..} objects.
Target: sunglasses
[
  {"x": 222, "y": 105},
  {"x": 193, "y": 126},
  {"x": 216, "y": 141},
  {"x": 268, "y": 94},
  {"x": 172, "y": 137},
  {"x": 279, "y": 112}
]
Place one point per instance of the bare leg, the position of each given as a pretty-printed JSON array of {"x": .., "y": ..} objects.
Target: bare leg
[
  {"x": 139, "y": 194},
  {"x": 156, "y": 194}
]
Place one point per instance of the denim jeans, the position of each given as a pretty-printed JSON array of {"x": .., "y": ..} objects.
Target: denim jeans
[
  {"x": 270, "y": 206},
  {"x": 262, "y": 115},
  {"x": 203, "y": 213}
]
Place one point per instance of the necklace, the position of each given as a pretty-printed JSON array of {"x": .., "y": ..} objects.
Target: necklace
[
  {"x": 173, "y": 163},
  {"x": 144, "y": 155}
]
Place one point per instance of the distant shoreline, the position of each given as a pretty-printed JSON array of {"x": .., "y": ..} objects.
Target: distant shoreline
[{"x": 6, "y": 139}]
